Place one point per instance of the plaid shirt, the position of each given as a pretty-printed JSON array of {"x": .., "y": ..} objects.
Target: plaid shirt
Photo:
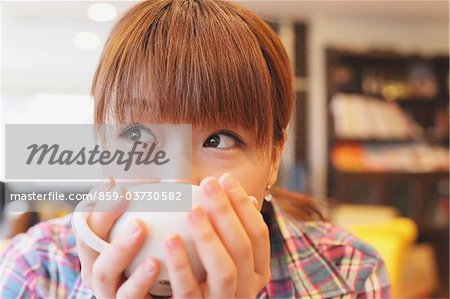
[{"x": 308, "y": 260}]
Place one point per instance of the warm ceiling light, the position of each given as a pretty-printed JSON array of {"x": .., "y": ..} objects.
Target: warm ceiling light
[
  {"x": 86, "y": 40},
  {"x": 102, "y": 12}
]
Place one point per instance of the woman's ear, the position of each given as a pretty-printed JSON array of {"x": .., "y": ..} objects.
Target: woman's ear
[{"x": 276, "y": 159}]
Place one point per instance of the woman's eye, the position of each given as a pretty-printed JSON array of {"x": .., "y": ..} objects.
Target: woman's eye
[
  {"x": 222, "y": 141},
  {"x": 140, "y": 133}
]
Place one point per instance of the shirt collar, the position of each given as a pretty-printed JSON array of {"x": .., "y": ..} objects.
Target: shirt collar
[{"x": 313, "y": 275}]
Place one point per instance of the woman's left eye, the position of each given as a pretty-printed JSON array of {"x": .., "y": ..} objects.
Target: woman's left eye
[
  {"x": 139, "y": 133},
  {"x": 221, "y": 141}
]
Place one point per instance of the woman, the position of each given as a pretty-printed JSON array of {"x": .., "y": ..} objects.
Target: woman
[{"x": 219, "y": 67}]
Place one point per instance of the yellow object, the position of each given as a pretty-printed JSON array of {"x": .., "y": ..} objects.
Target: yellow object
[
  {"x": 48, "y": 210},
  {"x": 392, "y": 239},
  {"x": 420, "y": 276},
  {"x": 3, "y": 244}
]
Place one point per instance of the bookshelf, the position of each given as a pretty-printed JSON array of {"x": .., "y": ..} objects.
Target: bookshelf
[
  {"x": 388, "y": 119},
  {"x": 388, "y": 138}
]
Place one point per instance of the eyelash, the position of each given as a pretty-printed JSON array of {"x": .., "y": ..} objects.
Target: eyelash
[
  {"x": 124, "y": 131},
  {"x": 231, "y": 134}
]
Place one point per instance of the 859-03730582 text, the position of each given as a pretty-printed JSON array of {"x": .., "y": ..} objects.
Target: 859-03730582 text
[{"x": 98, "y": 195}]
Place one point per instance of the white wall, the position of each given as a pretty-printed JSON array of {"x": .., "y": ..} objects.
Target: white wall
[
  {"x": 421, "y": 37},
  {"x": 43, "y": 109}
]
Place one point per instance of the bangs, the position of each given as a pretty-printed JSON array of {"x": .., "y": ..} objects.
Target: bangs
[{"x": 196, "y": 62}]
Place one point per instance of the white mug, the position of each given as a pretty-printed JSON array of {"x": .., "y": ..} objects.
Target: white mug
[{"x": 160, "y": 225}]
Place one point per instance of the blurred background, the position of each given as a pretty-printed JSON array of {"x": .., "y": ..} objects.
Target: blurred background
[{"x": 370, "y": 134}]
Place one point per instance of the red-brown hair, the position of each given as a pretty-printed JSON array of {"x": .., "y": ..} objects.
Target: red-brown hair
[{"x": 199, "y": 62}]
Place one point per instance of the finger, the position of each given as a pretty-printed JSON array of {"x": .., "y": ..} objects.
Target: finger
[
  {"x": 101, "y": 221},
  {"x": 182, "y": 279},
  {"x": 107, "y": 269},
  {"x": 86, "y": 205},
  {"x": 254, "y": 202},
  {"x": 252, "y": 222},
  {"x": 138, "y": 284},
  {"x": 221, "y": 270},
  {"x": 228, "y": 227},
  {"x": 86, "y": 254},
  {"x": 87, "y": 258}
]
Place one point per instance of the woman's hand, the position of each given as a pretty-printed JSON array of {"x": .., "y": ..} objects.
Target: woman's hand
[
  {"x": 102, "y": 273},
  {"x": 232, "y": 240},
  {"x": 229, "y": 233}
]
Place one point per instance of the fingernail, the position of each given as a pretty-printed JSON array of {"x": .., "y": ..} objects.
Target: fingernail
[
  {"x": 254, "y": 201},
  {"x": 149, "y": 266},
  {"x": 173, "y": 242},
  {"x": 196, "y": 215},
  {"x": 211, "y": 186},
  {"x": 112, "y": 182},
  {"x": 229, "y": 182},
  {"x": 134, "y": 227}
]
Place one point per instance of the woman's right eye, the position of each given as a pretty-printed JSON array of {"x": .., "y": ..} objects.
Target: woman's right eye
[
  {"x": 139, "y": 133},
  {"x": 224, "y": 140}
]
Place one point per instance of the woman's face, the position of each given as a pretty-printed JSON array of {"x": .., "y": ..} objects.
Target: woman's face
[{"x": 215, "y": 151}]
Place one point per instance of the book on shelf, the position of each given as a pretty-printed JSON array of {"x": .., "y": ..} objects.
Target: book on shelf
[
  {"x": 415, "y": 158},
  {"x": 361, "y": 117}
]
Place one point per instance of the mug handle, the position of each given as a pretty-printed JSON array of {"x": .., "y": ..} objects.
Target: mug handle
[
  {"x": 79, "y": 222},
  {"x": 83, "y": 209}
]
